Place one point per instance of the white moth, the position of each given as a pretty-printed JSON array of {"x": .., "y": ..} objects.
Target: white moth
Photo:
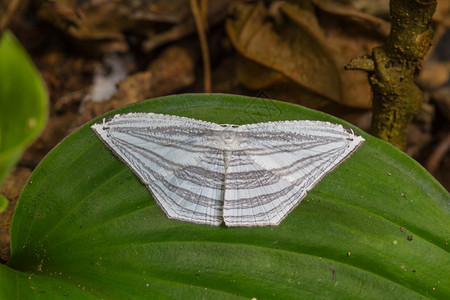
[{"x": 206, "y": 173}]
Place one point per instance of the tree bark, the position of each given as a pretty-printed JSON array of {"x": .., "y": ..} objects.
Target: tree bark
[{"x": 391, "y": 68}]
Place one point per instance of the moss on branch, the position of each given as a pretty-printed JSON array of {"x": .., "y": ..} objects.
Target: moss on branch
[{"x": 396, "y": 98}]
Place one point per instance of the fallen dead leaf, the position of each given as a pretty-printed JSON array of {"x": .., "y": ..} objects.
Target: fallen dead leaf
[
  {"x": 171, "y": 71},
  {"x": 304, "y": 48},
  {"x": 290, "y": 50},
  {"x": 104, "y": 23}
]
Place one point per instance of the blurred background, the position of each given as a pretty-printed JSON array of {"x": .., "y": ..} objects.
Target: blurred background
[{"x": 96, "y": 55}]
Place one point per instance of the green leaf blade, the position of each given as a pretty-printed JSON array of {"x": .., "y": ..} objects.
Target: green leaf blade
[
  {"x": 87, "y": 216},
  {"x": 23, "y": 102}
]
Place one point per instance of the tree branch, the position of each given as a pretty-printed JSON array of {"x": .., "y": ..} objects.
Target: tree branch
[{"x": 396, "y": 97}]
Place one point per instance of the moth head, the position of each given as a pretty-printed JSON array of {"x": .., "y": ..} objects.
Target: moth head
[
  {"x": 229, "y": 126},
  {"x": 228, "y": 136}
]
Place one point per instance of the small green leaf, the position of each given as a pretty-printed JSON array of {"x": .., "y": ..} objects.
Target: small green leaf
[
  {"x": 23, "y": 102},
  {"x": 86, "y": 227},
  {"x": 3, "y": 203}
]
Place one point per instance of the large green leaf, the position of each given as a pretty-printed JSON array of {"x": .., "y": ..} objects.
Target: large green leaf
[
  {"x": 23, "y": 102},
  {"x": 85, "y": 226}
]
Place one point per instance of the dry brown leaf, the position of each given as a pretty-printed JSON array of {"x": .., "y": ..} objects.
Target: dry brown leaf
[
  {"x": 442, "y": 14},
  {"x": 105, "y": 21},
  {"x": 290, "y": 50},
  {"x": 350, "y": 34},
  {"x": 215, "y": 14},
  {"x": 360, "y": 21},
  {"x": 171, "y": 71},
  {"x": 379, "y": 8},
  {"x": 307, "y": 46}
]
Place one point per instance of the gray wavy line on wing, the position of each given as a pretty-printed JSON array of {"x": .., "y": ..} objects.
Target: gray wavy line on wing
[
  {"x": 295, "y": 166},
  {"x": 176, "y": 209},
  {"x": 194, "y": 174},
  {"x": 151, "y": 135},
  {"x": 284, "y": 150},
  {"x": 252, "y": 178},
  {"x": 306, "y": 169},
  {"x": 310, "y": 167},
  {"x": 175, "y": 192},
  {"x": 261, "y": 198},
  {"x": 285, "y": 169},
  {"x": 269, "y": 142},
  {"x": 166, "y": 191},
  {"x": 272, "y": 144},
  {"x": 176, "y": 197},
  {"x": 137, "y": 157},
  {"x": 180, "y": 143},
  {"x": 287, "y": 141},
  {"x": 168, "y": 194},
  {"x": 140, "y": 164},
  {"x": 165, "y": 143},
  {"x": 266, "y": 204},
  {"x": 180, "y": 133},
  {"x": 280, "y": 171},
  {"x": 155, "y": 120}
]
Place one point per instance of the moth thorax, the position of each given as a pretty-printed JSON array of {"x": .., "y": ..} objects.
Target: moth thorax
[{"x": 228, "y": 139}]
